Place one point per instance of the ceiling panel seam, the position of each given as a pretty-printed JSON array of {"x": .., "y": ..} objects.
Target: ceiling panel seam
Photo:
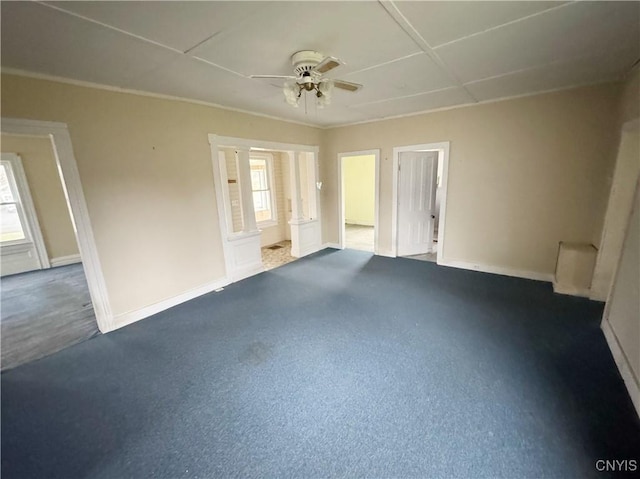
[
  {"x": 502, "y": 25},
  {"x": 144, "y": 39},
  {"x": 542, "y": 66},
  {"x": 411, "y": 31},
  {"x": 375, "y": 102}
]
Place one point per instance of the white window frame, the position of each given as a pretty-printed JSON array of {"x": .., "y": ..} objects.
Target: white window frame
[
  {"x": 268, "y": 157},
  {"x": 26, "y": 210}
]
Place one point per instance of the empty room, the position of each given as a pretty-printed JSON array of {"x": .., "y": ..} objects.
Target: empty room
[{"x": 182, "y": 293}]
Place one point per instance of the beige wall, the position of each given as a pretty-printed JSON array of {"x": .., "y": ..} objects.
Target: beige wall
[
  {"x": 524, "y": 174},
  {"x": 46, "y": 191},
  {"x": 146, "y": 172},
  {"x": 359, "y": 177}
]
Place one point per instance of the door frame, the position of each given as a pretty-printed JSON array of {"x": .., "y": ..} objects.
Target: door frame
[
  {"x": 341, "y": 195},
  {"x": 33, "y": 232},
  {"x": 232, "y": 243},
  {"x": 62, "y": 147},
  {"x": 443, "y": 152}
]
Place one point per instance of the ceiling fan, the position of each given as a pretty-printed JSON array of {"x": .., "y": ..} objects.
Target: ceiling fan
[{"x": 309, "y": 67}]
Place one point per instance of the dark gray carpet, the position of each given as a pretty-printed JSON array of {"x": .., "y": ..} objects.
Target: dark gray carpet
[
  {"x": 337, "y": 365},
  {"x": 43, "y": 312}
]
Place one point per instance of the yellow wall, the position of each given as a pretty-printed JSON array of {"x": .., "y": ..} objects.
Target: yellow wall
[
  {"x": 146, "y": 172},
  {"x": 524, "y": 174},
  {"x": 359, "y": 176},
  {"x": 46, "y": 191}
]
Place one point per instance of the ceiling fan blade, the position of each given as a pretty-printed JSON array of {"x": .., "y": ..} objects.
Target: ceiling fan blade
[
  {"x": 345, "y": 85},
  {"x": 329, "y": 63},
  {"x": 288, "y": 77}
]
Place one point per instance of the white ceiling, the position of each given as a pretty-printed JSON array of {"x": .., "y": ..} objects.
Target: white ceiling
[{"x": 410, "y": 56}]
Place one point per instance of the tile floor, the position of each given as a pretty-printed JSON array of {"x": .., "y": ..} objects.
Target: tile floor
[
  {"x": 272, "y": 258},
  {"x": 359, "y": 237}
]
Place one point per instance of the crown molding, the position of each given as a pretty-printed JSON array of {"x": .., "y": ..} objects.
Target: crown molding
[
  {"x": 129, "y": 91},
  {"x": 472, "y": 104}
]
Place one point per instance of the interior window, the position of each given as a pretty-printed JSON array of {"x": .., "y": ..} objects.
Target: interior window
[
  {"x": 12, "y": 220},
  {"x": 262, "y": 187}
]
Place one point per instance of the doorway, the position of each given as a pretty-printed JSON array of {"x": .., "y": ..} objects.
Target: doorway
[
  {"x": 420, "y": 184},
  {"x": 46, "y": 303},
  {"x": 358, "y": 179},
  {"x": 268, "y": 203}
]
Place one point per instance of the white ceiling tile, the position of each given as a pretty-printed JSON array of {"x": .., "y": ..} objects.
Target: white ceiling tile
[
  {"x": 180, "y": 25},
  {"x": 423, "y": 102},
  {"x": 566, "y": 46},
  {"x": 361, "y": 34},
  {"x": 415, "y": 74},
  {"x": 578, "y": 29},
  {"x": 190, "y": 78},
  {"x": 43, "y": 40},
  {"x": 550, "y": 77},
  {"x": 442, "y": 22}
]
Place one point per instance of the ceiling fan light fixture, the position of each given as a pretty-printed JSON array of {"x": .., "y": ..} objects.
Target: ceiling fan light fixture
[
  {"x": 292, "y": 93},
  {"x": 309, "y": 67}
]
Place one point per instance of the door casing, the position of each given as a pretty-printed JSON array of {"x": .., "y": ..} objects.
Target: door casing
[
  {"x": 443, "y": 155},
  {"x": 341, "y": 195}
]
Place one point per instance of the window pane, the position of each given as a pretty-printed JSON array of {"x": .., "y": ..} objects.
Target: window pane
[
  {"x": 259, "y": 175},
  {"x": 5, "y": 189},
  {"x": 10, "y": 226}
]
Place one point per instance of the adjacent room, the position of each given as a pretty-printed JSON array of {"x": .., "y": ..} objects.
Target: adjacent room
[
  {"x": 359, "y": 201},
  {"x": 45, "y": 299},
  {"x": 223, "y": 280}
]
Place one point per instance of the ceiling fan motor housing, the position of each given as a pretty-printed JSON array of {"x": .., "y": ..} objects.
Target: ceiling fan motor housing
[{"x": 304, "y": 61}]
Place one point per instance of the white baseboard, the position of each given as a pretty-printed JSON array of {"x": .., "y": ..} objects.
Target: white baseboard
[
  {"x": 571, "y": 291},
  {"x": 387, "y": 254},
  {"x": 331, "y": 245},
  {"x": 623, "y": 364},
  {"x": 125, "y": 319},
  {"x": 484, "y": 268},
  {"x": 65, "y": 260},
  {"x": 597, "y": 296}
]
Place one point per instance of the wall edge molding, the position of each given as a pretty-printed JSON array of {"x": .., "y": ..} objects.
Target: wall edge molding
[{"x": 622, "y": 363}]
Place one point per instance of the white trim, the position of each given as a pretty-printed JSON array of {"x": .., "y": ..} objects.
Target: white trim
[
  {"x": 231, "y": 247},
  {"x": 485, "y": 268},
  {"x": 331, "y": 245},
  {"x": 72, "y": 186},
  {"x": 570, "y": 290},
  {"x": 376, "y": 212},
  {"x": 34, "y": 232},
  {"x": 622, "y": 362},
  {"x": 443, "y": 155},
  {"x": 65, "y": 260},
  {"x": 129, "y": 317},
  {"x": 222, "y": 197},
  {"x": 129, "y": 91},
  {"x": 259, "y": 145}
]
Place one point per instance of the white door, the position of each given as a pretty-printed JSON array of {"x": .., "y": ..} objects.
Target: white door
[{"x": 416, "y": 201}]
